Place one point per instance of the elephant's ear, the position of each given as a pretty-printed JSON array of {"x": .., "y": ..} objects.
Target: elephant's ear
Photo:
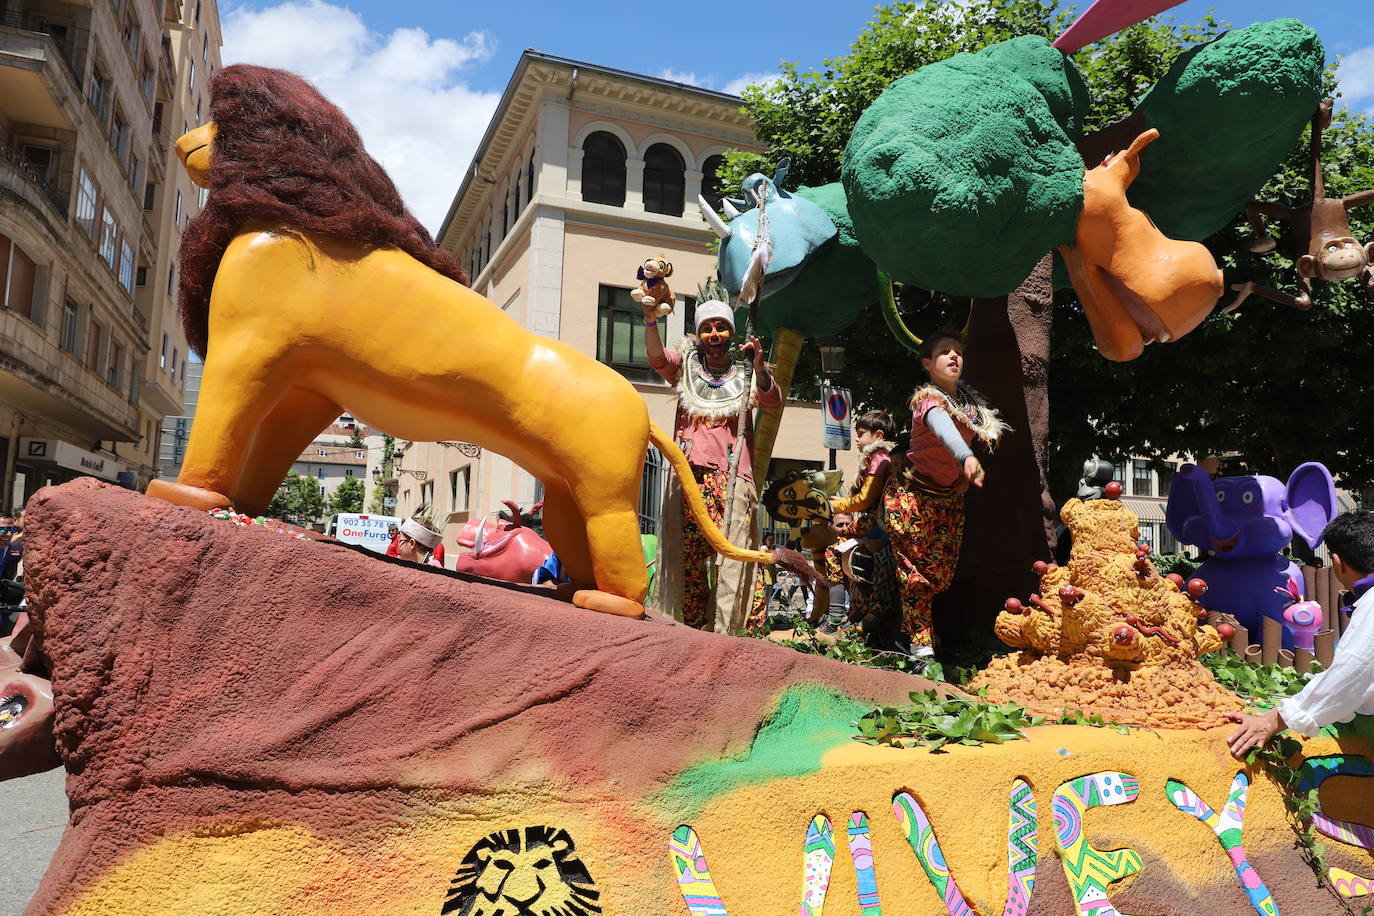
[
  {"x": 1311, "y": 501},
  {"x": 1183, "y": 499}
]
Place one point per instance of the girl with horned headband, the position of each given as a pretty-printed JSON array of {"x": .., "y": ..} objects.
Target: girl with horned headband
[
  {"x": 923, "y": 504},
  {"x": 708, "y": 427}
]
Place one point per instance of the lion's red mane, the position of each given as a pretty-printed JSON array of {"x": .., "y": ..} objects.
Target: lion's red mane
[{"x": 285, "y": 154}]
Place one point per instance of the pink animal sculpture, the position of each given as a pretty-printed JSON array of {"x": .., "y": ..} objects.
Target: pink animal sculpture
[
  {"x": 1303, "y": 618},
  {"x": 26, "y": 710},
  {"x": 501, "y": 549}
]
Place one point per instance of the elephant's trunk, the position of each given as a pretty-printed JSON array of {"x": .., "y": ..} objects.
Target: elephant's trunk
[{"x": 1214, "y": 525}]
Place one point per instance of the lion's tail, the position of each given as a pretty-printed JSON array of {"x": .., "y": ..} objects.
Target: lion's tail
[{"x": 691, "y": 495}]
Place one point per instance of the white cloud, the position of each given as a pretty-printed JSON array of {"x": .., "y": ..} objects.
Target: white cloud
[
  {"x": 734, "y": 86},
  {"x": 402, "y": 90},
  {"x": 691, "y": 79},
  {"x": 737, "y": 85},
  {"x": 1356, "y": 78}
]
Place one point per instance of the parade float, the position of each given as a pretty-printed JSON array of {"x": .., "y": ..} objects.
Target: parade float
[{"x": 258, "y": 723}]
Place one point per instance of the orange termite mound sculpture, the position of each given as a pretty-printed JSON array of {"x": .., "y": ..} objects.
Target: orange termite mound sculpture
[{"x": 1108, "y": 635}]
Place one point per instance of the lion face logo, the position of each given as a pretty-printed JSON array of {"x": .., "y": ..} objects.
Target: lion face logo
[{"x": 533, "y": 872}]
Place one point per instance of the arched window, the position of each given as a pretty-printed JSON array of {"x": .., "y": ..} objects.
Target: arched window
[
  {"x": 529, "y": 180},
  {"x": 664, "y": 183},
  {"x": 710, "y": 180},
  {"x": 603, "y": 169}
]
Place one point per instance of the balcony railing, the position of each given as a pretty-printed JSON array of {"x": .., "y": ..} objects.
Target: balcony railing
[
  {"x": 14, "y": 162},
  {"x": 28, "y": 22}
]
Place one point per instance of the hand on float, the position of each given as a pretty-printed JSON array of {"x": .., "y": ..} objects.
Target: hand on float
[
  {"x": 1255, "y": 730},
  {"x": 973, "y": 471}
]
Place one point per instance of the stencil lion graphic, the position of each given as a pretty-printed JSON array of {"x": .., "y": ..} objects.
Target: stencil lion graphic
[{"x": 530, "y": 872}]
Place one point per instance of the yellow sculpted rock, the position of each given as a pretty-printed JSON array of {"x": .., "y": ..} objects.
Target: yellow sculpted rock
[{"x": 1108, "y": 634}]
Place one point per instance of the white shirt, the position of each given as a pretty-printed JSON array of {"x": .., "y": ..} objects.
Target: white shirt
[{"x": 1344, "y": 689}]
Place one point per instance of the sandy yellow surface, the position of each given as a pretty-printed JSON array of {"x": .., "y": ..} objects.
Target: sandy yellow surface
[{"x": 752, "y": 836}]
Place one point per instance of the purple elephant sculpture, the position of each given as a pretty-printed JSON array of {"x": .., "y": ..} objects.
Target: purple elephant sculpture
[{"x": 1246, "y": 522}]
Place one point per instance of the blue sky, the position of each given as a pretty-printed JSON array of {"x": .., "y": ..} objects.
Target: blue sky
[
  {"x": 615, "y": 35},
  {"x": 422, "y": 77}
]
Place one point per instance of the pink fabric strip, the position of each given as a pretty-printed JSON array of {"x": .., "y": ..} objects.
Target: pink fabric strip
[{"x": 1106, "y": 17}]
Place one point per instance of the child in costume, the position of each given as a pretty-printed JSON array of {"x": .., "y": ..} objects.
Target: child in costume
[
  {"x": 923, "y": 504},
  {"x": 714, "y": 421},
  {"x": 875, "y": 603}
]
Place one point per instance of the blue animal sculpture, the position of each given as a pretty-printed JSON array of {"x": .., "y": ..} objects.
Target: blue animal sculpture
[
  {"x": 796, "y": 230},
  {"x": 1246, "y": 522}
]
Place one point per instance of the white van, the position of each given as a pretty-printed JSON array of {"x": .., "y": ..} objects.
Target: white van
[{"x": 368, "y": 531}]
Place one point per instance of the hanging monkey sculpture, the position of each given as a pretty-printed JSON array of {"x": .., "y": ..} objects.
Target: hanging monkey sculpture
[{"x": 1326, "y": 249}]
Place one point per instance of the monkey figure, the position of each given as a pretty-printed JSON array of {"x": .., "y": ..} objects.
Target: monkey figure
[{"x": 1322, "y": 231}]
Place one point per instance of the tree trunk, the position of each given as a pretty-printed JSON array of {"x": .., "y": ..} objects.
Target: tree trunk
[{"x": 1010, "y": 520}]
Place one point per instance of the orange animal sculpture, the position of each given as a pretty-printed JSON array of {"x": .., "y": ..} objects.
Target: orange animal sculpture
[
  {"x": 1137, "y": 286},
  {"x": 314, "y": 311}
]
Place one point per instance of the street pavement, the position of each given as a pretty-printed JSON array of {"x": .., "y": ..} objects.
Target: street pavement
[{"x": 33, "y": 811}]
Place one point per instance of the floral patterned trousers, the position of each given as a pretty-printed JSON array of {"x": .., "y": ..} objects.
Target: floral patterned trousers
[
  {"x": 698, "y": 557},
  {"x": 926, "y": 530}
]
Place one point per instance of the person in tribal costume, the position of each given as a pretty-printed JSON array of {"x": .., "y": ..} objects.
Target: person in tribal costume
[
  {"x": 923, "y": 503},
  {"x": 874, "y": 599},
  {"x": 714, "y": 423}
]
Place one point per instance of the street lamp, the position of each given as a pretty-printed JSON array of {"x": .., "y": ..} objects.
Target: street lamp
[{"x": 832, "y": 355}]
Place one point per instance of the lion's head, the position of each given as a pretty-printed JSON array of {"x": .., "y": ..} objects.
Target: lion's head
[
  {"x": 655, "y": 268},
  {"x": 530, "y": 872},
  {"x": 278, "y": 151}
]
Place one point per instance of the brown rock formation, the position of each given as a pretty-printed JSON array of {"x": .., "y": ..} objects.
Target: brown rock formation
[{"x": 195, "y": 662}]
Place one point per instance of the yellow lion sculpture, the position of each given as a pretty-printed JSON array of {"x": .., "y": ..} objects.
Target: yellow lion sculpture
[{"x": 310, "y": 291}]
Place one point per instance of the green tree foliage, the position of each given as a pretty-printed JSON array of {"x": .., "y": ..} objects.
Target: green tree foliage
[
  {"x": 1273, "y": 385},
  {"x": 348, "y": 497},
  {"x": 377, "y": 504},
  {"x": 298, "y": 500},
  {"x": 356, "y": 439}
]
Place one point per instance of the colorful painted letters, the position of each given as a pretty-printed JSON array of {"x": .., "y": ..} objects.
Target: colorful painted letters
[
  {"x": 1091, "y": 871},
  {"x": 817, "y": 858},
  {"x": 861, "y": 850},
  {"x": 1229, "y": 826},
  {"x": 1021, "y": 851},
  {"x": 693, "y": 874},
  {"x": 1317, "y": 770}
]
